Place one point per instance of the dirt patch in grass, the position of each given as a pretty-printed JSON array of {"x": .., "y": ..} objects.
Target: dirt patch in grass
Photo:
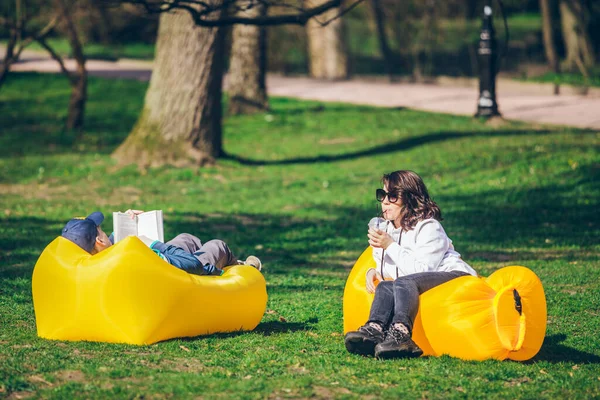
[
  {"x": 48, "y": 191},
  {"x": 297, "y": 369},
  {"x": 79, "y": 353},
  {"x": 71, "y": 376},
  {"x": 574, "y": 289},
  {"x": 177, "y": 364},
  {"x": 38, "y": 379},
  {"x": 284, "y": 393},
  {"x": 20, "y": 395},
  {"x": 322, "y": 392},
  {"x": 183, "y": 365},
  {"x": 143, "y": 353},
  {"x": 517, "y": 381}
]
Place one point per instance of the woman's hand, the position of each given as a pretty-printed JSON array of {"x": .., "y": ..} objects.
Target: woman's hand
[
  {"x": 373, "y": 278},
  {"x": 133, "y": 213},
  {"x": 379, "y": 238}
]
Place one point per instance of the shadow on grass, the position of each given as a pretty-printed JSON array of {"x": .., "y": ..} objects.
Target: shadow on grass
[
  {"x": 33, "y": 111},
  {"x": 264, "y": 329},
  {"x": 401, "y": 145},
  {"x": 539, "y": 218},
  {"x": 23, "y": 240},
  {"x": 553, "y": 351},
  {"x": 284, "y": 110},
  {"x": 274, "y": 327}
]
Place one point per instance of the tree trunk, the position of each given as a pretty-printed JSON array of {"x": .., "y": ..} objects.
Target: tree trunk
[
  {"x": 328, "y": 57},
  {"x": 384, "y": 47},
  {"x": 78, "y": 81},
  {"x": 77, "y": 101},
  {"x": 573, "y": 15},
  {"x": 9, "y": 56},
  {"x": 246, "y": 77},
  {"x": 181, "y": 120},
  {"x": 547, "y": 28},
  {"x": 548, "y": 33},
  {"x": 472, "y": 9}
]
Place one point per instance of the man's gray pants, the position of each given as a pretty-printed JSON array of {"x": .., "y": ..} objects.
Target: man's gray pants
[{"x": 214, "y": 252}]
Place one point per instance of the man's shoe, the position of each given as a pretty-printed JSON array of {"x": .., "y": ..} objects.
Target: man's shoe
[
  {"x": 397, "y": 344},
  {"x": 364, "y": 340},
  {"x": 253, "y": 261}
]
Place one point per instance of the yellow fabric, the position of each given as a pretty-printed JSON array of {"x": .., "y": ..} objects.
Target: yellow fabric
[
  {"x": 127, "y": 294},
  {"x": 468, "y": 317}
]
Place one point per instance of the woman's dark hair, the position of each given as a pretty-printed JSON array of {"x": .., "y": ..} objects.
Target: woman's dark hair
[{"x": 412, "y": 192}]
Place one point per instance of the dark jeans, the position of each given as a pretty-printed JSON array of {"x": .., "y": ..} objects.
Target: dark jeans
[
  {"x": 398, "y": 301},
  {"x": 214, "y": 252}
]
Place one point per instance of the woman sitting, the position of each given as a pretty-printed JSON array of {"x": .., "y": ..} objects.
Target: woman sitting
[{"x": 413, "y": 254}]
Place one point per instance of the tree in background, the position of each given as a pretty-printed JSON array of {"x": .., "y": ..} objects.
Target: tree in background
[
  {"x": 416, "y": 34},
  {"x": 180, "y": 123},
  {"x": 246, "y": 79},
  {"x": 78, "y": 80},
  {"x": 574, "y": 16},
  {"x": 384, "y": 47},
  {"x": 327, "y": 53},
  {"x": 22, "y": 23},
  {"x": 548, "y": 36},
  {"x": 16, "y": 19},
  {"x": 181, "y": 120}
]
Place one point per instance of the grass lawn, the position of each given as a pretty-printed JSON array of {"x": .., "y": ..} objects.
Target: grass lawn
[
  {"x": 298, "y": 191},
  {"x": 570, "y": 78},
  {"x": 98, "y": 51}
]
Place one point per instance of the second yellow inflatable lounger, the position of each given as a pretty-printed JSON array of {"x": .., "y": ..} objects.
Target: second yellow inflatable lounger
[
  {"x": 502, "y": 316},
  {"x": 127, "y": 294}
]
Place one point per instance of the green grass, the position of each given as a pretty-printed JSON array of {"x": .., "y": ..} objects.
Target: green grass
[
  {"x": 570, "y": 78},
  {"x": 98, "y": 51},
  {"x": 297, "y": 190}
]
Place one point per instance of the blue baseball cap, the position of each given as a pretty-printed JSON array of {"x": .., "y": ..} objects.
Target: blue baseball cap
[{"x": 83, "y": 231}]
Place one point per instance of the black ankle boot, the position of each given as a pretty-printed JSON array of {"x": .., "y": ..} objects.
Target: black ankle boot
[
  {"x": 397, "y": 344},
  {"x": 364, "y": 340}
]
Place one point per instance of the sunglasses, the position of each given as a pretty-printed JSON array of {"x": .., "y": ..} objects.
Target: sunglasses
[{"x": 380, "y": 195}]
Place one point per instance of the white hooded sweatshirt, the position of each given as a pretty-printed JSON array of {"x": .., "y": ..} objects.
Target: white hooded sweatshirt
[{"x": 425, "y": 248}]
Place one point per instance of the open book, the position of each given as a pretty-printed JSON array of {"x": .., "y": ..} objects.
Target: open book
[{"x": 148, "y": 224}]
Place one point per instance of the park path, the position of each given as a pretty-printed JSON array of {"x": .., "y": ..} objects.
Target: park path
[{"x": 516, "y": 100}]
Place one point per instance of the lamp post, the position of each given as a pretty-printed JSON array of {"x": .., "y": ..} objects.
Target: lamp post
[{"x": 486, "y": 55}]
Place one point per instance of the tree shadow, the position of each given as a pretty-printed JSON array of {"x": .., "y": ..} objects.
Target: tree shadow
[
  {"x": 33, "y": 122},
  {"x": 23, "y": 239},
  {"x": 393, "y": 147},
  {"x": 553, "y": 351},
  {"x": 320, "y": 107},
  {"x": 540, "y": 217},
  {"x": 484, "y": 226}
]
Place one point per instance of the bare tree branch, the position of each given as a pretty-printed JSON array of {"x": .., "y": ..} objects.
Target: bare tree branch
[
  {"x": 56, "y": 57},
  {"x": 19, "y": 39},
  {"x": 341, "y": 13},
  {"x": 40, "y": 35},
  {"x": 202, "y": 11}
]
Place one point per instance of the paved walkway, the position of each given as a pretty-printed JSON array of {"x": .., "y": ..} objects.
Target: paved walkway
[{"x": 516, "y": 100}]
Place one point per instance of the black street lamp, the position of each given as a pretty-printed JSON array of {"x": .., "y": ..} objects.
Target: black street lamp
[{"x": 486, "y": 55}]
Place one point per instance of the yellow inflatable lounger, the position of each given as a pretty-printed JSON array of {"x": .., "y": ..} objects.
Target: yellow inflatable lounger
[
  {"x": 127, "y": 294},
  {"x": 502, "y": 316}
]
